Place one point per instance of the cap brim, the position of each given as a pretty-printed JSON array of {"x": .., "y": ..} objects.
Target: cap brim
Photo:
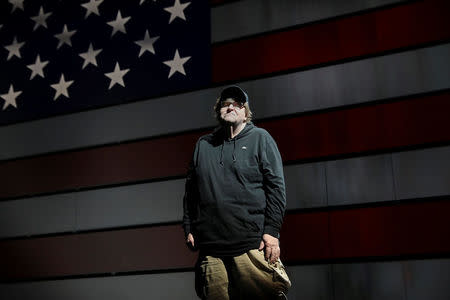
[{"x": 235, "y": 93}]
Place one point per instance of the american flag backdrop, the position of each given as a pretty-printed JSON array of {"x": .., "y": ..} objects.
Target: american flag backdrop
[
  {"x": 92, "y": 163},
  {"x": 67, "y": 56}
]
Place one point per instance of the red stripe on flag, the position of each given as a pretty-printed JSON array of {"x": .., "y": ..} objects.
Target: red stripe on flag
[
  {"x": 403, "y": 229},
  {"x": 306, "y": 236},
  {"x": 391, "y": 231},
  {"x": 374, "y": 32},
  {"x": 397, "y": 230},
  {"x": 415, "y": 121},
  {"x": 154, "y": 248},
  {"x": 412, "y": 122},
  {"x": 155, "y": 158}
]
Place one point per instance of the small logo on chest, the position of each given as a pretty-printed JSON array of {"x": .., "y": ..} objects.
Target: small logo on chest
[{"x": 244, "y": 148}]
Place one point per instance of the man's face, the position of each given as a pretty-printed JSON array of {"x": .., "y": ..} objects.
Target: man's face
[{"x": 232, "y": 112}]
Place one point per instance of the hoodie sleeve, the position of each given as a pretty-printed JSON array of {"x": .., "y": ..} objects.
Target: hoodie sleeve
[
  {"x": 190, "y": 198},
  {"x": 274, "y": 187}
]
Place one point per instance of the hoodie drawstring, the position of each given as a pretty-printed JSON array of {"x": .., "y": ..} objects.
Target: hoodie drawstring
[
  {"x": 219, "y": 133},
  {"x": 234, "y": 150},
  {"x": 221, "y": 153}
]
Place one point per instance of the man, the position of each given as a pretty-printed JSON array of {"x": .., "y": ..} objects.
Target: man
[{"x": 234, "y": 205}]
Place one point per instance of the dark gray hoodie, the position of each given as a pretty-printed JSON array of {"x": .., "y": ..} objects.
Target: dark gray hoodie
[{"x": 235, "y": 191}]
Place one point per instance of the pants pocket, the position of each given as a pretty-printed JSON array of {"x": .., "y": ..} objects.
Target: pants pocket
[
  {"x": 211, "y": 279},
  {"x": 200, "y": 277}
]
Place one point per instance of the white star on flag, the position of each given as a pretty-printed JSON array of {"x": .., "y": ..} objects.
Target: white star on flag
[
  {"x": 37, "y": 68},
  {"x": 16, "y": 4},
  {"x": 117, "y": 76},
  {"x": 10, "y": 98},
  {"x": 176, "y": 65},
  {"x": 177, "y": 10},
  {"x": 41, "y": 19},
  {"x": 61, "y": 87},
  {"x": 92, "y": 7},
  {"x": 118, "y": 24},
  {"x": 14, "y": 49},
  {"x": 147, "y": 43},
  {"x": 89, "y": 56},
  {"x": 64, "y": 37}
]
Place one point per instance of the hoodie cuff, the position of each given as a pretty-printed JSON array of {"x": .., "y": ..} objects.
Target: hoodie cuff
[
  {"x": 187, "y": 229},
  {"x": 275, "y": 232}
]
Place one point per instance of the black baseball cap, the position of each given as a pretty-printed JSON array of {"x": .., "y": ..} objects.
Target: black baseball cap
[{"x": 234, "y": 92}]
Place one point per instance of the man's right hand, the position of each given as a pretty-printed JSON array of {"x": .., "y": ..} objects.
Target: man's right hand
[{"x": 190, "y": 241}]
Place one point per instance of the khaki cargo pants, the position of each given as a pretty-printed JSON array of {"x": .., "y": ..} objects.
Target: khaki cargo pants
[{"x": 247, "y": 276}]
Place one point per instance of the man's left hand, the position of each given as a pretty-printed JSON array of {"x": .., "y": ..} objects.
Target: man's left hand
[{"x": 271, "y": 247}]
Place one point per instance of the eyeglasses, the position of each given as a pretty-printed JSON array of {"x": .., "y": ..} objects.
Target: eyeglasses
[{"x": 235, "y": 104}]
